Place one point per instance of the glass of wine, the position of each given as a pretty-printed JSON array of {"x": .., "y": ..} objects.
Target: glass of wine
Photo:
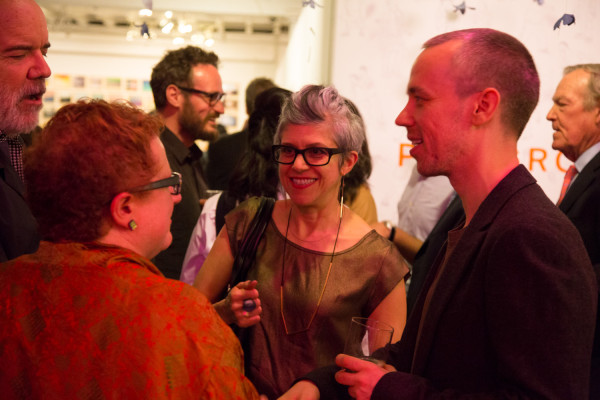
[{"x": 365, "y": 337}]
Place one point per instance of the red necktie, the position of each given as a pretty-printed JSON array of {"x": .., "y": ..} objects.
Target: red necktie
[{"x": 571, "y": 172}]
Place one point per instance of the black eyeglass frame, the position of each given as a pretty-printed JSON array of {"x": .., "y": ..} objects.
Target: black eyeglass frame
[
  {"x": 173, "y": 181},
  {"x": 212, "y": 98},
  {"x": 330, "y": 151}
]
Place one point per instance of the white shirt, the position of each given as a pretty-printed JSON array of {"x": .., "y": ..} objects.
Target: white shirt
[
  {"x": 202, "y": 239},
  {"x": 423, "y": 202}
]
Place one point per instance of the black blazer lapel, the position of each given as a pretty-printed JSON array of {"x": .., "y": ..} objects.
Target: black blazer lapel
[{"x": 584, "y": 180}]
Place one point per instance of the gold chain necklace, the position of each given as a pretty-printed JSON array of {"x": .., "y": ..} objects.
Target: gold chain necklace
[{"x": 326, "y": 278}]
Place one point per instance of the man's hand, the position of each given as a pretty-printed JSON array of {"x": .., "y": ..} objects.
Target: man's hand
[
  {"x": 359, "y": 375},
  {"x": 303, "y": 390}
]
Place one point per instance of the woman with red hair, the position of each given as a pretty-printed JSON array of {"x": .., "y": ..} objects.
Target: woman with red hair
[{"x": 86, "y": 315}]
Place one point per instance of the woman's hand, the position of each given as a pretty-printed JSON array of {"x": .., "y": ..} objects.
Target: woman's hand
[{"x": 244, "y": 316}]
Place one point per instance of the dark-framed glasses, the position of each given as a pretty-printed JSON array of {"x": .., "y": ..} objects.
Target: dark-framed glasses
[
  {"x": 313, "y": 156},
  {"x": 212, "y": 98},
  {"x": 174, "y": 182}
]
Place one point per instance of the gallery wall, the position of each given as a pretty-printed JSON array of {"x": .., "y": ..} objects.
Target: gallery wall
[
  {"x": 366, "y": 49},
  {"x": 376, "y": 41}
]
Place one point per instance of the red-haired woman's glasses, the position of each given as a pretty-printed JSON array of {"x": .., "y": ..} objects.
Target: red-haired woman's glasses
[{"x": 174, "y": 182}]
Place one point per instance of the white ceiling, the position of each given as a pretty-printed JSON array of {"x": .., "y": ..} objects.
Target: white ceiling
[{"x": 115, "y": 16}]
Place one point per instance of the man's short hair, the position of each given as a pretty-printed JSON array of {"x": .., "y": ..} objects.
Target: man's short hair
[
  {"x": 490, "y": 58},
  {"x": 254, "y": 88},
  {"x": 592, "y": 97},
  {"x": 176, "y": 69}
]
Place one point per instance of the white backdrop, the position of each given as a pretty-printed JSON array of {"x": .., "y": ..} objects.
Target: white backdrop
[{"x": 376, "y": 41}]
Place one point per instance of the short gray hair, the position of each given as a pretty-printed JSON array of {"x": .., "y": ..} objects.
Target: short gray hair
[{"x": 315, "y": 104}]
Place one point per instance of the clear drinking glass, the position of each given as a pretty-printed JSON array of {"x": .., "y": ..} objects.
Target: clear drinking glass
[{"x": 365, "y": 337}]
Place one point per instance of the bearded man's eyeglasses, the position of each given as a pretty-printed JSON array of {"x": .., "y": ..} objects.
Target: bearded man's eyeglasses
[{"x": 212, "y": 98}]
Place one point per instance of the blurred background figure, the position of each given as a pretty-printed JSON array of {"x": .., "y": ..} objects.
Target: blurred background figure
[
  {"x": 318, "y": 263},
  {"x": 224, "y": 154},
  {"x": 357, "y": 195},
  {"x": 188, "y": 94},
  {"x": 103, "y": 193},
  {"x": 255, "y": 175}
]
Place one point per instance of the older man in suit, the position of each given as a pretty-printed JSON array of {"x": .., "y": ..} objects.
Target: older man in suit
[
  {"x": 23, "y": 71},
  {"x": 508, "y": 308},
  {"x": 575, "y": 118}
]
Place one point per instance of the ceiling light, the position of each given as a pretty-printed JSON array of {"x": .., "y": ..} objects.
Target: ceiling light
[
  {"x": 184, "y": 28},
  {"x": 169, "y": 14},
  {"x": 178, "y": 40},
  {"x": 167, "y": 28},
  {"x": 209, "y": 42},
  {"x": 197, "y": 38},
  {"x": 145, "y": 12}
]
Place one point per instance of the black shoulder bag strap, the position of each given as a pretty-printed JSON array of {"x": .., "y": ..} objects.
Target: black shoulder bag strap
[
  {"x": 225, "y": 204},
  {"x": 247, "y": 252}
]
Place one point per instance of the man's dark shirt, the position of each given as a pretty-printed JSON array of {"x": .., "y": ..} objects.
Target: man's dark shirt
[
  {"x": 186, "y": 161},
  {"x": 223, "y": 156}
]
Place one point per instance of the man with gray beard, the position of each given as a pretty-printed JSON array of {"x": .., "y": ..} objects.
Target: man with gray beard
[
  {"x": 188, "y": 95},
  {"x": 23, "y": 70}
]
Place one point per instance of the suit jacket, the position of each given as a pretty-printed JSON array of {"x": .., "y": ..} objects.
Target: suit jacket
[
  {"x": 18, "y": 227},
  {"x": 513, "y": 312},
  {"x": 223, "y": 156},
  {"x": 582, "y": 205}
]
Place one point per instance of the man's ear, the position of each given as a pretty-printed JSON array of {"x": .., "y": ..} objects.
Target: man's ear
[
  {"x": 174, "y": 96},
  {"x": 350, "y": 159},
  {"x": 486, "y": 106},
  {"x": 121, "y": 209}
]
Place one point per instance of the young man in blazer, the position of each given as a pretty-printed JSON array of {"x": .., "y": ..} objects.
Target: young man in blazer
[
  {"x": 575, "y": 118},
  {"x": 508, "y": 308}
]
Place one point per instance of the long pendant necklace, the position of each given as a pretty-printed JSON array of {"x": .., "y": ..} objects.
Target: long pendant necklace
[{"x": 326, "y": 278}]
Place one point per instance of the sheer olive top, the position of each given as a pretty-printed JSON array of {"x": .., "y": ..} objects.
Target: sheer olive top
[{"x": 361, "y": 277}]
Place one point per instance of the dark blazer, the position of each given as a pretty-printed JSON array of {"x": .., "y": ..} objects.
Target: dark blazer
[
  {"x": 513, "y": 312},
  {"x": 18, "y": 227},
  {"x": 582, "y": 205},
  {"x": 223, "y": 156}
]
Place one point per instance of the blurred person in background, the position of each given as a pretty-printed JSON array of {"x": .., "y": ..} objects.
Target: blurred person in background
[
  {"x": 255, "y": 175},
  {"x": 224, "y": 154},
  {"x": 188, "y": 95}
]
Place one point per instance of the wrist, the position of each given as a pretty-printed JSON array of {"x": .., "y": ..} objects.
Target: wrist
[
  {"x": 392, "y": 234},
  {"x": 392, "y": 230}
]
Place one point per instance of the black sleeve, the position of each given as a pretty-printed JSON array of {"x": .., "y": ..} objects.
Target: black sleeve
[{"x": 324, "y": 379}]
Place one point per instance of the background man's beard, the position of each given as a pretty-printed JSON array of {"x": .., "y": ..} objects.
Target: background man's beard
[{"x": 193, "y": 125}]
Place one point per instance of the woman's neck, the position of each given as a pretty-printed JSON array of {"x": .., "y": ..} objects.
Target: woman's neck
[{"x": 311, "y": 224}]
